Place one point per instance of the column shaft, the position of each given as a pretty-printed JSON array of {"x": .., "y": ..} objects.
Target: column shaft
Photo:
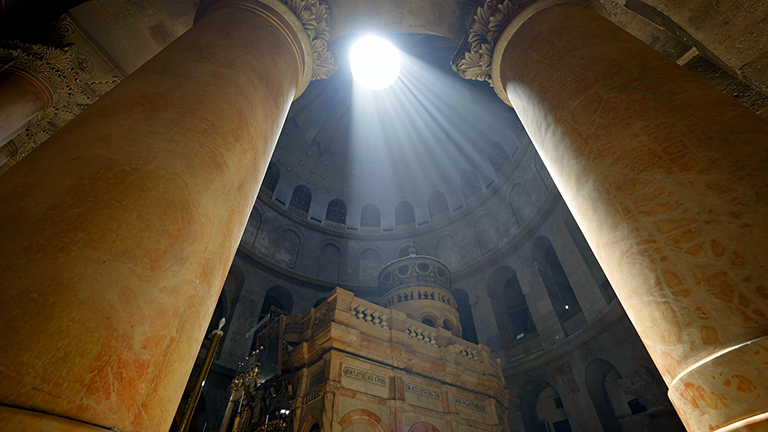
[
  {"x": 22, "y": 95},
  {"x": 667, "y": 178},
  {"x": 118, "y": 233}
]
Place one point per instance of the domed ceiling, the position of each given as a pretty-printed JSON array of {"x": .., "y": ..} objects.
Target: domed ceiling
[{"x": 429, "y": 131}]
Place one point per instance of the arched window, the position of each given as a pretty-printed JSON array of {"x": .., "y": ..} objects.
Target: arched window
[
  {"x": 513, "y": 318},
  {"x": 319, "y": 301},
  {"x": 466, "y": 318},
  {"x": 277, "y": 300},
  {"x": 471, "y": 187},
  {"x": 277, "y": 297},
  {"x": 271, "y": 178},
  {"x": 369, "y": 266},
  {"x": 608, "y": 398},
  {"x": 330, "y": 260},
  {"x": 336, "y": 214},
  {"x": 498, "y": 157},
  {"x": 438, "y": 206},
  {"x": 370, "y": 218},
  {"x": 405, "y": 217},
  {"x": 558, "y": 287},
  {"x": 300, "y": 201}
]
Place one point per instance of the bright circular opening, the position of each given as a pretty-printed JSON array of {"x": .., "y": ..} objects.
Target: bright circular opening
[{"x": 375, "y": 62}]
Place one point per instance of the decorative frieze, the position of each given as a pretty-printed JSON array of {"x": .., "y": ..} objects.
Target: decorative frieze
[{"x": 490, "y": 20}]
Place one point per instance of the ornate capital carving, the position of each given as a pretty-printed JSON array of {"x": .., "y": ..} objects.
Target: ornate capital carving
[
  {"x": 65, "y": 71},
  {"x": 490, "y": 20},
  {"x": 315, "y": 16}
]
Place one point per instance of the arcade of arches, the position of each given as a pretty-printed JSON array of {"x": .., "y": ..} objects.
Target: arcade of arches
[{"x": 554, "y": 220}]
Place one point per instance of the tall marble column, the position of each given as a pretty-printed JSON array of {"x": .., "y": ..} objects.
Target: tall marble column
[
  {"x": 117, "y": 234},
  {"x": 667, "y": 178}
]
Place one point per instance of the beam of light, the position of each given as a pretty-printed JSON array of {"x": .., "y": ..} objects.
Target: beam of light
[
  {"x": 427, "y": 127},
  {"x": 375, "y": 62}
]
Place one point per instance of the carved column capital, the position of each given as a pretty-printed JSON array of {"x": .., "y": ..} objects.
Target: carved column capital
[
  {"x": 315, "y": 16},
  {"x": 64, "y": 71},
  {"x": 489, "y": 21}
]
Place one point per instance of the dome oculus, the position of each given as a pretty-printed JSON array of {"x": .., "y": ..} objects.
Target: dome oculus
[{"x": 375, "y": 62}]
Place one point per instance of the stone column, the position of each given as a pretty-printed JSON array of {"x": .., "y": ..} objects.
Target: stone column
[
  {"x": 118, "y": 233},
  {"x": 667, "y": 178}
]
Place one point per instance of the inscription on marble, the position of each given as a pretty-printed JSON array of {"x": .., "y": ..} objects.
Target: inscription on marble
[
  {"x": 466, "y": 403},
  {"x": 423, "y": 391},
  {"x": 364, "y": 376}
]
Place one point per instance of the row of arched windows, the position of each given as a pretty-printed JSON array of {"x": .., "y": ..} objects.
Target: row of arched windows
[{"x": 336, "y": 213}]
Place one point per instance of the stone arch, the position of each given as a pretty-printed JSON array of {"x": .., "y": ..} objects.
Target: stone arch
[
  {"x": 538, "y": 404},
  {"x": 466, "y": 317},
  {"x": 370, "y": 265},
  {"x": 609, "y": 400},
  {"x": 558, "y": 287},
  {"x": 287, "y": 250},
  {"x": 279, "y": 297},
  {"x": 438, "y": 206},
  {"x": 423, "y": 427},
  {"x": 510, "y": 307},
  {"x": 405, "y": 217},
  {"x": 361, "y": 417},
  {"x": 336, "y": 213},
  {"x": 312, "y": 421},
  {"x": 271, "y": 178},
  {"x": 485, "y": 231},
  {"x": 301, "y": 199},
  {"x": 470, "y": 187},
  {"x": 370, "y": 217},
  {"x": 587, "y": 255},
  {"x": 330, "y": 262},
  {"x": 498, "y": 158}
]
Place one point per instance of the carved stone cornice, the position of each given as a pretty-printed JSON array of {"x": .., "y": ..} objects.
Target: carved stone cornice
[
  {"x": 65, "y": 71},
  {"x": 315, "y": 16},
  {"x": 489, "y": 21}
]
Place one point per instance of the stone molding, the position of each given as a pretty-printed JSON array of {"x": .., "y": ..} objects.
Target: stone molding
[
  {"x": 489, "y": 22},
  {"x": 64, "y": 71}
]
